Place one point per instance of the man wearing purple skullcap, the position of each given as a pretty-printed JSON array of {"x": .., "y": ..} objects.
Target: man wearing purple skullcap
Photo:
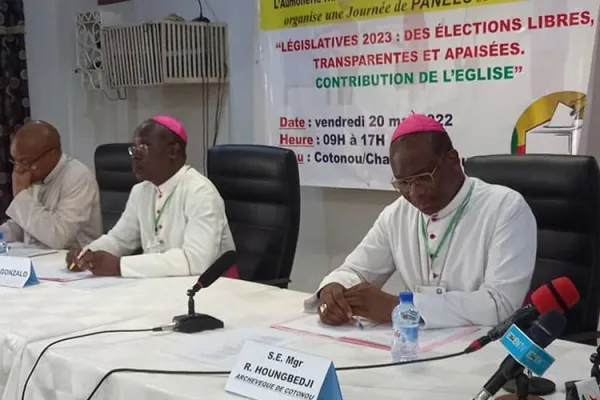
[
  {"x": 175, "y": 215},
  {"x": 464, "y": 247}
]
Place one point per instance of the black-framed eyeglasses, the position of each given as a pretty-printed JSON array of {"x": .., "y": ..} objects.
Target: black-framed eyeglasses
[
  {"x": 26, "y": 164},
  {"x": 425, "y": 180}
]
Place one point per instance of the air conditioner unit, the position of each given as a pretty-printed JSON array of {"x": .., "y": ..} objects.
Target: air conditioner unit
[{"x": 149, "y": 54}]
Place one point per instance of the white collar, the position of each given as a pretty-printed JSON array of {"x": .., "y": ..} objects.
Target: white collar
[
  {"x": 456, "y": 201},
  {"x": 56, "y": 170},
  {"x": 170, "y": 184}
]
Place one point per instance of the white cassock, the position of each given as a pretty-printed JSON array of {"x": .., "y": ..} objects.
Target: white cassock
[
  {"x": 180, "y": 225},
  {"x": 60, "y": 212},
  {"x": 483, "y": 270}
]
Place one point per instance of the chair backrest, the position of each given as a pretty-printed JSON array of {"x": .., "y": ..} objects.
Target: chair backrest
[
  {"x": 115, "y": 180},
  {"x": 564, "y": 195},
  {"x": 261, "y": 189}
]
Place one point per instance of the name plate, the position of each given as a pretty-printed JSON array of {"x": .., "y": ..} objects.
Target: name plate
[
  {"x": 266, "y": 372},
  {"x": 17, "y": 272},
  {"x": 526, "y": 351}
]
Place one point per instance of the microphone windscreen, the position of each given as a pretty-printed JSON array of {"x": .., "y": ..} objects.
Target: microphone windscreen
[
  {"x": 218, "y": 268},
  {"x": 544, "y": 299},
  {"x": 547, "y": 327}
]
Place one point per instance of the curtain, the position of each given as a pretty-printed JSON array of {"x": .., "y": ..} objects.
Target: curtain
[{"x": 14, "y": 93}]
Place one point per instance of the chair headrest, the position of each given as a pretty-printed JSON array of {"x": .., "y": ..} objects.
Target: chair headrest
[
  {"x": 254, "y": 172},
  {"x": 113, "y": 167},
  {"x": 547, "y": 175}
]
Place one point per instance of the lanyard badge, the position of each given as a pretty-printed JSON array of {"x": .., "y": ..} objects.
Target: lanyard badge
[{"x": 433, "y": 253}]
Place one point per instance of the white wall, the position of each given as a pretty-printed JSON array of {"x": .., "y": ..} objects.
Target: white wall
[{"x": 89, "y": 118}]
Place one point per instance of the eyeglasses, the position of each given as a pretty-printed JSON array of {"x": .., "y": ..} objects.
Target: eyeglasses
[
  {"x": 139, "y": 149},
  {"x": 26, "y": 164},
  {"x": 425, "y": 180}
]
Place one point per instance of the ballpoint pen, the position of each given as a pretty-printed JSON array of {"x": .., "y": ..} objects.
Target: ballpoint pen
[
  {"x": 81, "y": 253},
  {"x": 358, "y": 323}
]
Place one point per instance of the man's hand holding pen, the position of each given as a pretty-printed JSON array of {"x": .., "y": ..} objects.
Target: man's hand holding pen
[
  {"x": 339, "y": 306},
  {"x": 99, "y": 263}
]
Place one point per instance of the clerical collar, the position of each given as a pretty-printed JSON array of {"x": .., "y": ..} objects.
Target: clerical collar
[
  {"x": 456, "y": 201},
  {"x": 172, "y": 182},
  {"x": 55, "y": 171}
]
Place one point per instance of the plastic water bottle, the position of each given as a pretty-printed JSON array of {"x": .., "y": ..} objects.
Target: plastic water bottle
[
  {"x": 405, "y": 323},
  {"x": 3, "y": 245}
]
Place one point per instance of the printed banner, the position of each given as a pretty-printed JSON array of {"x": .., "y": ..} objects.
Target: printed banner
[{"x": 503, "y": 76}]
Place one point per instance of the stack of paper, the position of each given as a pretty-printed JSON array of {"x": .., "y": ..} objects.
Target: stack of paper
[{"x": 372, "y": 335}]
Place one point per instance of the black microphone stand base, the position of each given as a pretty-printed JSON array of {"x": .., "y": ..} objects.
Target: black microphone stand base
[
  {"x": 537, "y": 386},
  {"x": 194, "y": 323},
  {"x": 522, "y": 387},
  {"x": 514, "y": 397}
]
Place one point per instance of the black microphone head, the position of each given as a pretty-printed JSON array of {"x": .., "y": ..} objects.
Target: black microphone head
[
  {"x": 218, "y": 268},
  {"x": 549, "y": 326}
]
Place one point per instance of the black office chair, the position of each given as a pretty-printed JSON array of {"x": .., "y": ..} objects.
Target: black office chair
[
  {"x": 115, "y": 180},
  {"x": 261, "y": 189},
  {"x": 564, "y": 195}
]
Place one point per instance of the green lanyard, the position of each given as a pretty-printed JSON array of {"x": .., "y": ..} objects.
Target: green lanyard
[
  {"x": 160, "y": 212},
  {"x": 433, "y": 254}
]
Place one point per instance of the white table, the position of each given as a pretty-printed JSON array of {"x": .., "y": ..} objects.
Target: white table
[{"x": 72, "y": 369}]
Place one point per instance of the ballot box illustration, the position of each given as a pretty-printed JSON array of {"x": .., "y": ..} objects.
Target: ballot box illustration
[{"x": 560, "y": 135}]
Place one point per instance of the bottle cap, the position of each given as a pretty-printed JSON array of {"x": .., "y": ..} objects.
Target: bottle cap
[{"x": 406, "y": 297}]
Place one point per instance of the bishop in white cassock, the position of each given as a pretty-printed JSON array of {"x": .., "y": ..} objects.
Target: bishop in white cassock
[
  {"x": 175, "y": 216},
  {"x": 464, "y": 247}
]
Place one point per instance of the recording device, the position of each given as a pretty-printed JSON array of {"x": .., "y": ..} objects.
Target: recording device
[
  {"x": 542, "y": 332},
  {"x": 193, "y": 322},
  {"x": 560, "y": 294}
]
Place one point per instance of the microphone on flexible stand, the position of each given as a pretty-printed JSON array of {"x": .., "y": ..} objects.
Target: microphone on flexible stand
[
  {"x": 560, "y": 295},
  {"x": 542, "y": 332},
  {"x": 563, "y": 296},
  {"x": 193, "y": 322}
]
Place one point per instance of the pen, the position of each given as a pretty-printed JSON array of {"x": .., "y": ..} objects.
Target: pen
[
  {"x": 358, "y": 323},
  {"x": 81, "y": 253}
]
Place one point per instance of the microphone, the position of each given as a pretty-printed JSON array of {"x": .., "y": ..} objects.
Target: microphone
[
  {"x": 542, "y": 332},
  {"x": 559, "y": 294},
  {"x": 193, "y": 322},
  {"x": 215, "y": 271}
]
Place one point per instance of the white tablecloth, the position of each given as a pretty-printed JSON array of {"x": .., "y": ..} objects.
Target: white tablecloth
[{"x": 32, "y": 317}]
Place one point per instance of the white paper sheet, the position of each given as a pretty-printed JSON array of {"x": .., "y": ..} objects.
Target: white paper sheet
[
  {"x": 99, "y": 282},
  {"x": 18, "y": 249},
  {"x": 53, "y": 267},
  {"x": 28, "y": 252},
  {"x": 60, "y": 274},
  {"x": 221, "y": 348},
  {"x": 373, "y": 335},
  {"x": 563, "y": 117}
]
